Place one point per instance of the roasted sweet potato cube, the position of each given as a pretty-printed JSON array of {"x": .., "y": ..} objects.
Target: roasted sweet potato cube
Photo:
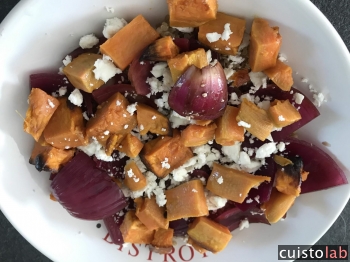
[
  {"x": 283, "y": 113},
  {"x": 255, "y": 120},
  {"x": 228, "y": 45},
  {"x": 208, "y": 234},
  {"x": 66, "y": 127},
  {"x": 163, "y": 238},
  {"x": 195, "y": 135},
  {"x": 186, "y": 200},
  {"x": 161, "y": 50},
  {"x": 231, "y": 183},
  {"x": 113, "y": 142},
  {"x": 203, "y": 122},
  {"x": 240, "y": 77},
  {"x": 109, "y": 118},
  {"x": 183, "y": 61},
  {"x": 49, "y": 158},
  {"x": 40, "y": 110},
  {"x": 191, "y": 13},
  {"x": 150, "y": 214},
  {"x": 281, "y": 75},
  {"x": 80, "y": 72},
  {"x": 164, "y": 154},
  {"x": 265, "y": 43},
  {"x": 282, "y": 161},
  {"x": 150, "y": 120},
  {"x": 277, "y": 206},
  {"x": 228, "y": 131},
  {"x": 134, "y": 179},
  {"x": 131, "y": 146},
  {"x": 133, "y": 231},
  {"x": 129, "y": 41},
  {"x": 197, "y": 247}
]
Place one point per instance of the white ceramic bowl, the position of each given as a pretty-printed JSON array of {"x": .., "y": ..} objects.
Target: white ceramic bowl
[{"x": 38, "y": 33}]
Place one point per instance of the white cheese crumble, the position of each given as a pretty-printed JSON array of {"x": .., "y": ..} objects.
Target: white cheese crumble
[
  {"x": 213, "y": 37},
  {"x": 165, "y": 163},
  {"x": 227, "y": 32},
  {"x": 131, "y": 108},
  {"x": 51, "y": 104},
  {"x": 109, "y": 9},
  {"x": 264, "y": 104},
  {"x": 318, "y": 99},
  {"x": 244, "y": 124},
  {"x": 177, "y": 120},
  {"x": 105, "y": 69},
  {"x": 214, "y": 202},
  {"x": 194, "y": 190},
  {"x": 281, "y": 118},
  {"x": 158, "y": 69},
  {"x": 184, "y": 29},
  {"x": 265, "y": 150},
  {"x": 244, "y": 224},
  {"x": 95, "y": 148},
  {"x": 76, "y": 97},
  {"x": 112, "y": 26},
  {"x": 88, "y": 41},
  {"x": 126, "y": 126},
  {"x": 62, "y": 90},
  {"x": 106, "y": 132},
  {"x": 67, "y": 60},
  {"x": 154, "y": 117},
  {"x": 208, "y": 53},
  {"x": 85, "y": 116},
  {"x": 258, "y": 79},
  {"x": 234, "y": 100},
  {"x": 249, "y": 200},
  {"x": 220, "y": 180},
  {"x": 298, "y": 98},
  {"x": 282, "y": 57},
  {"x": 304, "y": 80},
  {"x": 228, "y": 73},
  {"x": 232, "y": 152},
  {"x": 118, "y": 103},
  {"x": 236, "y": 59}
]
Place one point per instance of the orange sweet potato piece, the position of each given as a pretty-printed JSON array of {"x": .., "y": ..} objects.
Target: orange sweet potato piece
[
  {"x": 150, "y": 214},
  {"x": 195, "y": 135},
  {"x": 203, "y": 122},
  {"x": 113, "y": 142},
  {"x": 66, "y": 127},
  {"x": 197, "y": 247},
  {"x": 134, "y": 179},
  {"x": 231, "y": 183},
  {"x": 164, "y": 154},
  {"x": 226, "y": 47},
  {"x": 265, "y": 43},
  {"x": 109, "y": 117},
  {"x": 260, "y": 124},
  {"x": 52, "y": 197},
  {"x": 80, "y": 72},
  {"x": 277, "y": 206},
  {"x": 283, "y": 113},
  {"x": 209, "y": 235},
  {"x": 161, "y": 50},
  {"x": 240, "y": 77},
  {"x": 41, "y": 108},
  {"x": 49, "y": 158},
  {"x": 150, "y": 120},
  {"x": 133, "y": 231},
  {"x": 183, "y": 61},
  {"x": 281, "y": 75},
  {"x": 191, "y": 13},
  {"x": 163, "y": 238},
  {"x": 186, "y": 200},
  {"x": 129, "y": 41},
  {"x": 228, "y": 131},
  {"x": 131, "y": 146}
]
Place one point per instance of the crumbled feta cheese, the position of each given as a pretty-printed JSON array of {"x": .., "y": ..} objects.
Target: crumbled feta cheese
[
  {"x": 298, "y": 98},
  {"x": 88, "y": 41},
  {"x": 142, "y": 127},
  {"x": 105, "y": 69},
  {"x": 244, "y": 158},
  {"x": 264, "y": 104},
  {"x": 62, "y": 90},
  {"x": 131, "y": 108},
  {"x": 281, "y": 118},
  {"x": 126, "y": 126},
  {"x": 304, "y": 80},
  {"x": 227, "y": 32},
  {"x": 158, "y": 69},
  {"x": 112, "y": 26},
  {"x": 165, "y": 163},
  {"x": 258, "y": 79},
  {"x": 184, "y": 29},
  {"x": 281, "y": 146},
  {"x": 213, "y": 37},
  {"x": 180, "y": 174},
  {"x": 252, "y": 167},
  {"x": 208, "y": 53},
  {"x": 244, "y": 124},
  {"x": 318, "y": 99},
  {"x": 214, "y": 202},
  {"x": 95, "y": 148},
  {"x": 67, "y": 60},
  {"x": 110, "y": 9},
  {"x": 154, "y": 117},
  {"x": 194, "y": 190},
  {"x": 228, "y": 73},
  {"x": 249, "y": 200},
  {"x": 85, "y": 116},
  {"x": 265, "y": 150},
  {"x": 106, "y": 132},
  {"x": 76, "y": 98},
  {"x": 257, "y": 199},
  {"x": 234, "y": 100},
  {"x": 220, "y": 180},
  {"x": 236, "y": 59},
  {"x": 244, "y": 224},
  {"x": 249, "y": 97},
  {"x": 176, "y": 120},
  {"x": 232, "y": 152},
  {"x": 51, "y": 104},
  {"x": 118, "y": 103},
  {"x": 282, "y": 57}
]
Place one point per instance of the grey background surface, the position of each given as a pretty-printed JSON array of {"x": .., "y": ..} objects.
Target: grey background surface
[{"x": 13, "y": 247}]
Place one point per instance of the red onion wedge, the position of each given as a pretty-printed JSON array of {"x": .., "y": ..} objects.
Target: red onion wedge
[
  {"x": 50, "y": 82},
  {"x": 324, "y": 171},
  {"x": 200, "y": 93},
  {"x": 115, "y": 168},
  {"x": 112, "y": 224},
  {"x": 85, "y": 191},
  {"x": 138, "y": 73}
]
